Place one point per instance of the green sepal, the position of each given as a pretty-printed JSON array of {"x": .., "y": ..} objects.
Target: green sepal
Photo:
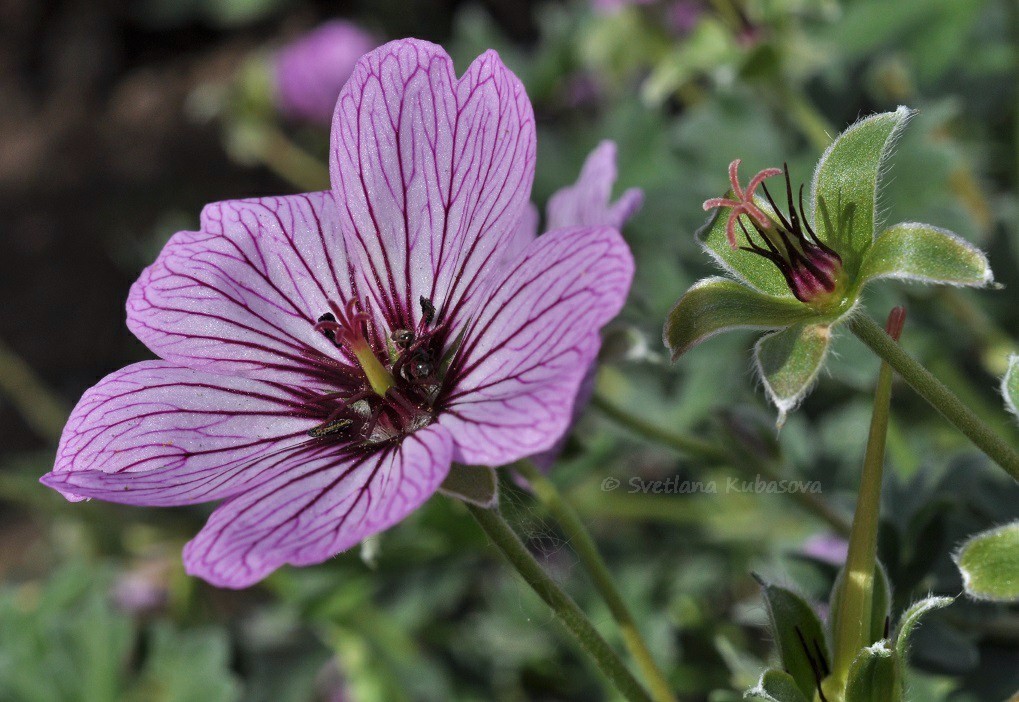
[
  {"x": 844, "y": 190},
  {"x": 911, "y": 619},
  {"x": 716, "y": 305},
  {"x": 1010, "y": 385},
  {"x": 776, "y": 686},
  {"x": 989, "y": 563},
  {"x": 788, "y": 362},
  {"x": 750, "y": 268},
  {"x": 477, "y": 485},
  {"x": 880, "y": 604},
  {"x": 922, "y": 252},
  {"x": 799, "y": 636},
  {"x": 875, "y": 675}
]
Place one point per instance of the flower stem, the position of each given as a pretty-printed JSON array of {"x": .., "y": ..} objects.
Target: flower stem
[
  {"x": 41, "y": 408},
  {"x": 697, "y": 448},
  {"x": 687, "y": 445},
  {"x": 572, "y": 617},
  {"x": 857, "y": 596},
  {"x": 936, "y": 393},
  {"x": 586, "y": 549}
]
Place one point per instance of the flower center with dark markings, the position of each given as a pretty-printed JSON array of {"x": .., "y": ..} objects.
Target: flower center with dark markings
[
  {"x": 390, "y": 387},
  {"x": 812, "y": 269}
]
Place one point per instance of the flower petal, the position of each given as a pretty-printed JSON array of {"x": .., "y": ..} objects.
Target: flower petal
[
  {"x": 157, "y": 434},
  {"x": 242, "y": 295},
  {"x": 715, "y": 305},
  {"x": 587, "y": 201},
  {"x": 788, "y": 363},
  {"x": 318, "y": 509},
  {"x": 523, "y": 234},
  {"x": 525, "y": 354},
  {"x": 433, "y": 174},
  {"x": 926, "y": 253}
]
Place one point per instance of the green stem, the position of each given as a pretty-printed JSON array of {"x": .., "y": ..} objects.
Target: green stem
[
  {"x": 697, "y": 448},
  {"x": 857, "y": 594},
  {"x": 586, "y": 549},
  {"x": 687, "y": 445},
  {"x": 572, "y": 617},
  {"x": 42, "y": 409},
  {"x": 936, "y": 393}
]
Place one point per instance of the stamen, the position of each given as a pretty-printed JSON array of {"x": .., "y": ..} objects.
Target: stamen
[{"x": 809, "y": 266}]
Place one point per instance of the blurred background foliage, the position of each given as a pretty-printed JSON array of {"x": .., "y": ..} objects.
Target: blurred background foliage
[{"x": 119, "y": 120}]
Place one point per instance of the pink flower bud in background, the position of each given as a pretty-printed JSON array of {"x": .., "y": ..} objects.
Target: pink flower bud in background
[{"x": 310, "y": 71}]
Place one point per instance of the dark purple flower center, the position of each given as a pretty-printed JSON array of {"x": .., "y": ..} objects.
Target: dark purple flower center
[
  {"x": 392, "y": 384},
  {"x": 811, "y": 268}
]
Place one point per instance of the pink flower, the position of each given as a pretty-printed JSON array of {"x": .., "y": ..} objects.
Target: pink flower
[
  {"x": 310, "y": 71},
  {"x": 587, "y": 203},
  {"x": 325, "y": 357}
]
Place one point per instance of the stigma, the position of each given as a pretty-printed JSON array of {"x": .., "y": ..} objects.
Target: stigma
[{"x": 811, "y": 268}]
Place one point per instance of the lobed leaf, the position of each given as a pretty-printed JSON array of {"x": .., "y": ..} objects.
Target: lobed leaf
[
  {"x": 922, "y": 252},
  {"x": 788, "y": 362},
  {"x": 989, "y": 563},
  {"x": 715, "y": 305}
]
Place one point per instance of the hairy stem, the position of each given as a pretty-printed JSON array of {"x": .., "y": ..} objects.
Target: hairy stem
[
  {"x": 572, "y": 617},
  {"x": 858, "y": 585},
  {"x": 589, "y": 556},
  {"x": 936, "y": 393}
]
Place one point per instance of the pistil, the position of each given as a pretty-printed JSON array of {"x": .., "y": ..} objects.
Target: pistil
[{"x": 345, "y": 326}]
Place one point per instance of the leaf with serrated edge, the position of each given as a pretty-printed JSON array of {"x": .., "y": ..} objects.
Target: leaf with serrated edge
[
  {"x": 911, "y": 619},
  {"x": 788, "y": 362},
  {"x": 716, "y": 305},
  {"x": 775, "y": 686},
  {"x": 913, "y": 251},
  {"x": 847, "y": 176},
  {"x": 989, "y": 563},
  {"x": 1010, "y": 385}
]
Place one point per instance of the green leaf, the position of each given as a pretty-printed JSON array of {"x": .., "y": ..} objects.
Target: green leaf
[
  {"x": 477, "y": 485},
  {"x": 788, "y": 361},
  {"x": 777, "y": 686},
  {"x": 989, "y": 563},
  {"x": 799, "y": 636},
  {"x": 1010, "y": 385},
  {"x": 754, "y": 270},
  {"x": 715, "y": 305},
  {"x": 184, "y": 666},
  {"x": 844, "y": 191},
  {"x": 911, "y": 619},
  {"x": 913, "y": 251},
  {"x": 875, "y": 676}
]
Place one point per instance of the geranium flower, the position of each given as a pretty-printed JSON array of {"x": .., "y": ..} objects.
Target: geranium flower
[
  {"x": 310, "y": 71},
  {"x": 801, "y": 270},
  {"x": 587, "y": 202},
  {"x": 325, "y": 357}
]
